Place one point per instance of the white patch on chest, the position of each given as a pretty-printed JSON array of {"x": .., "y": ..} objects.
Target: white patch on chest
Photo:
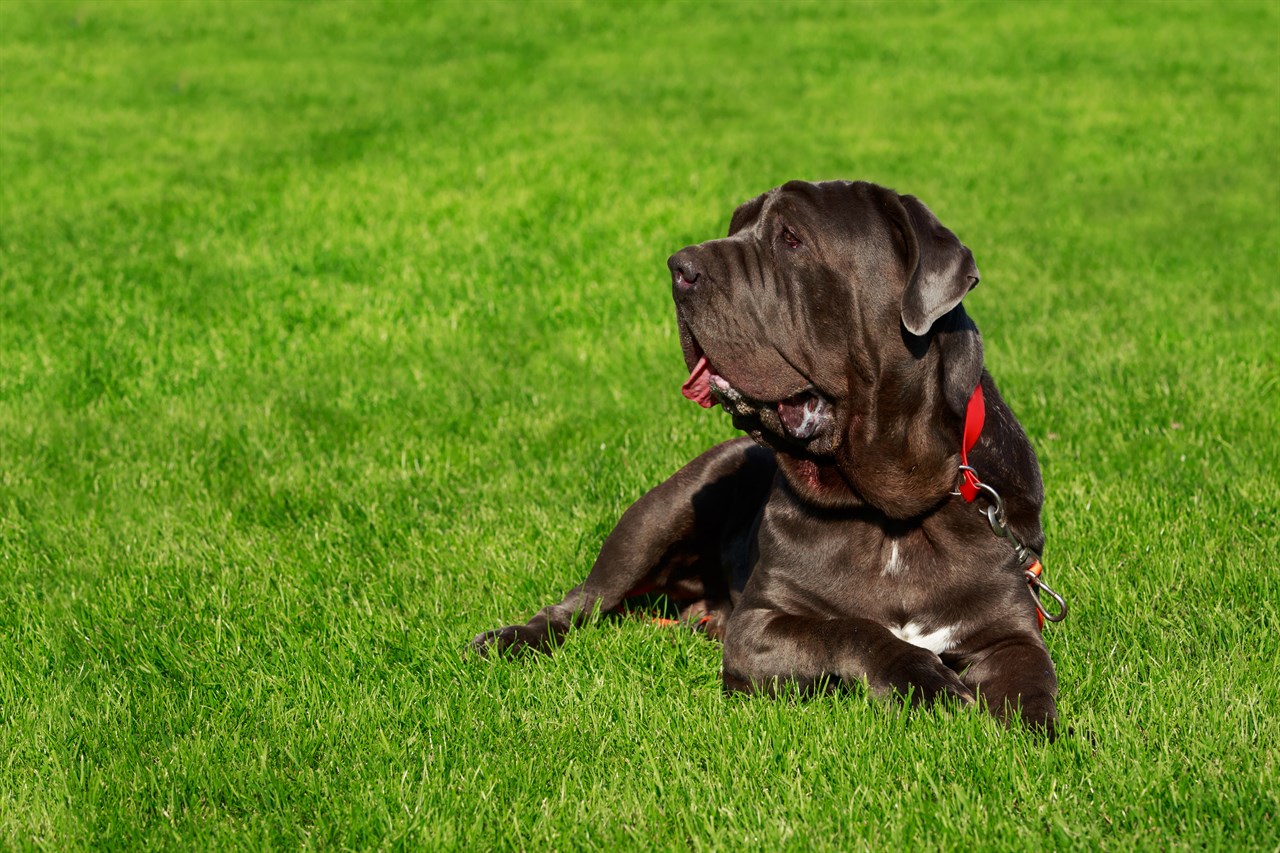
[
  {"x": 936, "y": 641},
  {"x": 895, "y": 565}
]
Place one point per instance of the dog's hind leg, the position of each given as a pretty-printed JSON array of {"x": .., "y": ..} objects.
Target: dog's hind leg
[{"x": 686, "y": 536}]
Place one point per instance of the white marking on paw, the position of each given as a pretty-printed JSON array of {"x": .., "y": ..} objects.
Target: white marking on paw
[{"x": 936, "y": 641}]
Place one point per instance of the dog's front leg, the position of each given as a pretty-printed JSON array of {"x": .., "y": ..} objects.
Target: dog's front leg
[
  {"x": 683, "y": 521},
  {"x": 1015, "y": 680},
  {"x": 766, "y": 648}
]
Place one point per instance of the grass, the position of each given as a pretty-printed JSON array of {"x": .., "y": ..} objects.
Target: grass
[{"x": 333, "y": 334}]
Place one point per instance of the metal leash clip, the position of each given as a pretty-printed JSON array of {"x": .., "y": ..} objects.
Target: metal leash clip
[
  {"x": 995, "y": 517},
  {"x": 1033, "y": 574}
]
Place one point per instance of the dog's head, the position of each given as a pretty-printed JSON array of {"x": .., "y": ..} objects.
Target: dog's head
[{"x": 828, "y": 324}]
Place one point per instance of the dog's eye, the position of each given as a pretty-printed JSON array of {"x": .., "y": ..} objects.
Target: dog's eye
[{"x": 789, "y": 237}]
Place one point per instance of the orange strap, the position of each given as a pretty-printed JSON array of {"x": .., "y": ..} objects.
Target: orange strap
[{"x": 1033, "y": 577}]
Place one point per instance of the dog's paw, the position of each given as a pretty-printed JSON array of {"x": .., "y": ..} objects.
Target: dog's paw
[
  {"x": 1037, "y": 713},
  {"x": 1046, "y": 728},
  {"x": 920, "y": 678},
  {"x": 512, "y": 640}
]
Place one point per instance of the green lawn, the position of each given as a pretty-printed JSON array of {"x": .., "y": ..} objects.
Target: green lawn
[{"x": 332, "y": 334}]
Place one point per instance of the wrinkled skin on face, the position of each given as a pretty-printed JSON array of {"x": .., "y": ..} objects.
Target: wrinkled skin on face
[{"x": 778, "y": 325}]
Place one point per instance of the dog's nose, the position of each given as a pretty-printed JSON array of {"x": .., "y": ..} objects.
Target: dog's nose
[{"x": 684, "y": 270}]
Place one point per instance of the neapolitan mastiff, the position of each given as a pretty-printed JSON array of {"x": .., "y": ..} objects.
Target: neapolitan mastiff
[{"x": 837, "y": 543}]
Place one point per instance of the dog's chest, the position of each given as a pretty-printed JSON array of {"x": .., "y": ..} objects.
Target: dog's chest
[
  {"x": 902, "y": 585},
  {"x": 937, "y": 640},
  {"x": 899, "y": 581},
  {"x": 931, "y": 582}
]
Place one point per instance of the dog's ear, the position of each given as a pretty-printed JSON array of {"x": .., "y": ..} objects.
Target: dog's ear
[
  {"x": 960, "y": 344},
  {"x": 941, "y": 269},
  {"x": 746, "y": 214}
]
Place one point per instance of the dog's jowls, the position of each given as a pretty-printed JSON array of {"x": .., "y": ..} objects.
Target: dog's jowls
[{"x": 828, "y": 547}]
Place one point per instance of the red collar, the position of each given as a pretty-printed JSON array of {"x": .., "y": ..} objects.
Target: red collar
[{"x": 975, "y": 414}]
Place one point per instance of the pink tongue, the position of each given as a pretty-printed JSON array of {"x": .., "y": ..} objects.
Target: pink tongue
[{"x": 698, "y": 386}]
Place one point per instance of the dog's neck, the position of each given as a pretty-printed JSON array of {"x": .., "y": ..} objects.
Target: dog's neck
[{"x": 899, "y": 455}]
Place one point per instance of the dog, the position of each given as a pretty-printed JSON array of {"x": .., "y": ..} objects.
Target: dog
[{"x": 840, "y": 541}]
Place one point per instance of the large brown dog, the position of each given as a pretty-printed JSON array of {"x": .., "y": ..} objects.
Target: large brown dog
[{"x": 831, "y": 546}]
